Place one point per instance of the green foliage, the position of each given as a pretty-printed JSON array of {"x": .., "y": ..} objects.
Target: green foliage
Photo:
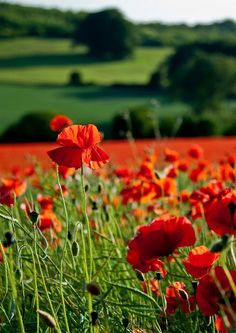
[
  {"x": 107, "y": 34},
  {"x": 203, "y": 80},
  {"x": 32, "y": 127},
  {"x": 18, "y": 21},
  {"x": 138, "y": 122},
  {"x": 76, "y": 79}
]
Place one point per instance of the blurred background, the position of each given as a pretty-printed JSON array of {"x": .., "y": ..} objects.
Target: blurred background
[{"x": 155, "y": 69}]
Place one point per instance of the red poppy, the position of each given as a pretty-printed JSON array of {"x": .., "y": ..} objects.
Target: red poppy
[
  {"x": 79, "y": 145},
  {"x": 171, "y": 155},
  {"x": 199, "y": 261},
  {"x": 59, "y": 122},
  {"x": 48, "y": 220},
  {"x": 177, "y": 297},
  {"x": 213, "y": 290},
  {"x": 11, "y": 187},
  {"x": 45, "y": 202},
  {"x": 221, "y": 215},
  {"x": 159, "y": 239},
  {"x": 196, "y": 152}
]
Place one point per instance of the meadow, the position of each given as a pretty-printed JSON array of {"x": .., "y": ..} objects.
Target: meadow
[{"x": 88, "y": 246}]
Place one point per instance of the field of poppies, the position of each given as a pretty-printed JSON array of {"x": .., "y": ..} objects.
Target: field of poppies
[{"x": 90, "y": 247}]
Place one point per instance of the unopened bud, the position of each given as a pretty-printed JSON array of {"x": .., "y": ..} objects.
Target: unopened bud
[
  {"x": 33, "y": 216},
  {"x": 93, "y": 289},
  {"x": 75, "y": 248}
]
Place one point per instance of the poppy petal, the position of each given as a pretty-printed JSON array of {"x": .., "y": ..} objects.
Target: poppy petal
[
  {"x": 98, "y": 157},
  {"x": 70, "y": 157},
  {"x": 88, "y": 136},
  {"x": 69, "y": 136}
]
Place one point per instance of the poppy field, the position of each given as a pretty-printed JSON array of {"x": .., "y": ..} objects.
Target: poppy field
[{"x": 88, "y": 246}]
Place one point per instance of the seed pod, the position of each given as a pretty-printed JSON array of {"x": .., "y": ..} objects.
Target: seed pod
[
  {"x": 156, "y": 174},
  {"x": 93, "y": 289},
  {"x": 94, "y": 317},
  {"x": 94, "y": 205},
  {"x": 47, "y": 318},
  {"x": 33, "y": 216},
  {"x": 75, "y": 248}
]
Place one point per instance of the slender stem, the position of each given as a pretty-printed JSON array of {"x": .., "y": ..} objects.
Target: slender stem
[
  {"x": 63, "y": 253},
  {"x": 89, "y": 270}
]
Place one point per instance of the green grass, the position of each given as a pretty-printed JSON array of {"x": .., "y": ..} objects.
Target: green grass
[
  {"x": 88, "y": 104},
  {"x": 50, "y": 61}
]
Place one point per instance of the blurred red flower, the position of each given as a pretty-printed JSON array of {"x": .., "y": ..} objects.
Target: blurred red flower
[
  {"x": 171, "y": 155},
  {"x": 196, "y": 152},
  {"x": 199, "y": 261},
  {"x": 59, "y": 122},
  {"x": 79, "y": 145},
  {"x": 214, "y": 292},
  {"x": 9, "y": 188},
  {"x": 221, "y": 215},
  {"x": 177, "y": 297},
  {"x": 159, "y": 239}
]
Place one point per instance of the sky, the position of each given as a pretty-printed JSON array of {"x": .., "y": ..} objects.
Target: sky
[{"x": 171, "y": 11}]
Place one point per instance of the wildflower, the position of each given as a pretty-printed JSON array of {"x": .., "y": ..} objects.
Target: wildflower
[
  {"x": 196, "y": 152},
  {"x": 214, "y": 294},
  {"x": 199, "y": 261},
  {"x": 59, "y": 122},
  {"x": 177, "y": 297},
  {"x": 159, "y": 239},
  {"x": 221, "y": 215},
  {"x": 79, "y": 145},
  {"x": 171, "y": 155},
  {"x": 11, "y": 187}
]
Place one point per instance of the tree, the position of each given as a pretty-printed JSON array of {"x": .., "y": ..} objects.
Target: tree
[
  {"x": 107, "y": 34},
  {"x": 201, "y": 79}
]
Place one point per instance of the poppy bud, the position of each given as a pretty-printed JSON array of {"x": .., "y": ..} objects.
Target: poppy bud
[
  {"x": 94, "y": 317},
  {"x": 69, "y": 235},
  {"x": 86, "y": 188},
  {"x": 47, "y": 318},
  {"x": 18, "y": 274},
  {"x": 100, "y": 187},
  {"x": 9, "y": 240},
  {"x": 125, "y": 322},
  {"x": 139, "y": 275},
  {"x": 94, "y": 205},
  {"x": 158, "y": 276},
  {"x": 93, "y": 289},
  {"x": 75, "y": 248},
  {"x": 33, "y": 216},
  {"x": 183, "y": 294},
  {"x": 219, "y": 244}
]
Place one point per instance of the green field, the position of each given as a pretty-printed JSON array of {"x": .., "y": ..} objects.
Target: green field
[
  {"x": 88, "y": 104},
  {"x": 34, "y": 75},
  {"x": 50, "y": 61}
]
